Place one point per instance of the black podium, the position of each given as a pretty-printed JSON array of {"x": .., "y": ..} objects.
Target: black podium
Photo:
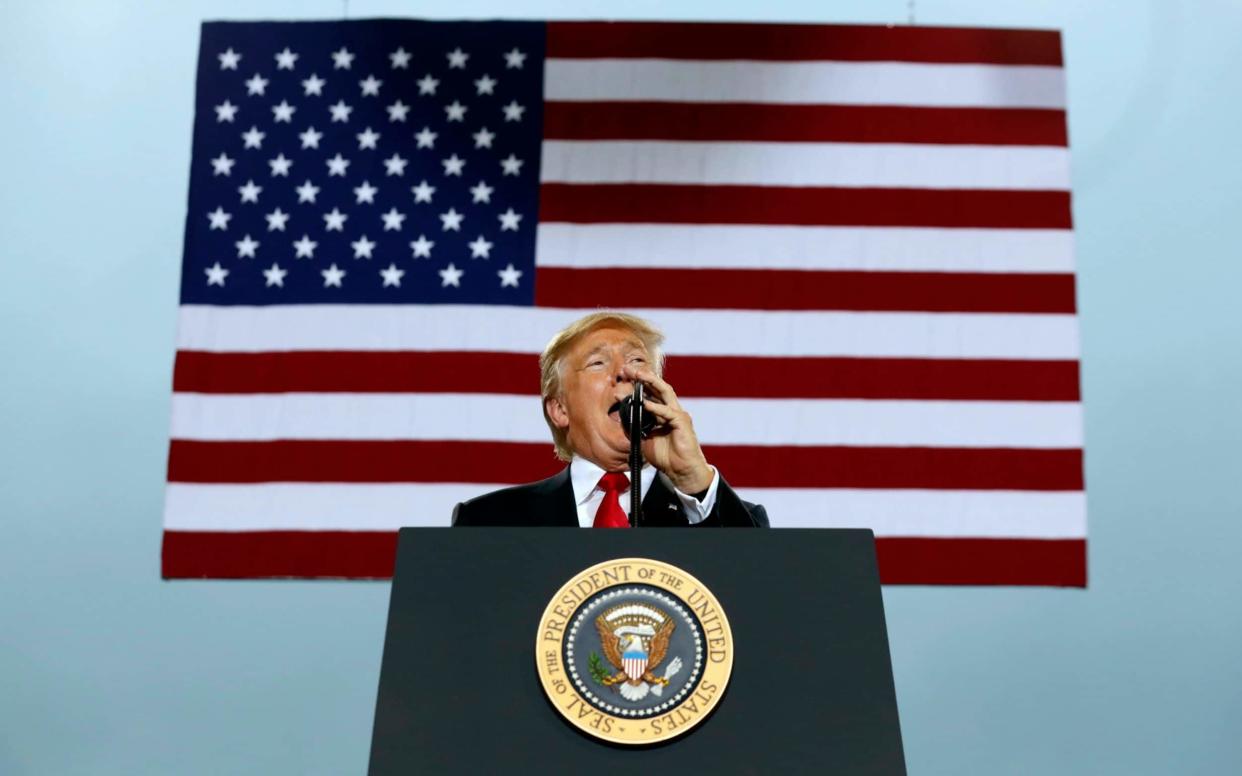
[{"x": 811, "y": 688}]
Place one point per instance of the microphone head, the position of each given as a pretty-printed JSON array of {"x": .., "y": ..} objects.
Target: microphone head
[{"x": 629, "y": 408}]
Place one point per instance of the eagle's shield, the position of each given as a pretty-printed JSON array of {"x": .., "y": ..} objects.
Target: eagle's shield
[{"x": 634, "y": 663}]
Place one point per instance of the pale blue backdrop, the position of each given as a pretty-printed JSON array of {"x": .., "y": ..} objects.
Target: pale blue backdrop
[{"x": 104, "y": 669}]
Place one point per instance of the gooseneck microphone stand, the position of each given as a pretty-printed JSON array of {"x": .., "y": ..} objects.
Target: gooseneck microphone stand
[{"x": 636, "y": 455}]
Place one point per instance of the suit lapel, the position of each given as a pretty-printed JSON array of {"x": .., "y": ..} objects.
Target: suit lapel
[
  {"x": 660, "y": 506},
  {"x": 554, "y": 501}
]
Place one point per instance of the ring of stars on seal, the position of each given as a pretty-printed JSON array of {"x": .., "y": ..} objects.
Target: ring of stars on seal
[{"x": 603, "y": 600}]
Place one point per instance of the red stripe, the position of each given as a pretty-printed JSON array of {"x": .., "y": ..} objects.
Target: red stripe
[
  {"x": 759, "y": 289},
  {"x": 517, "y": 373},
  {"x": 357, "y": 372},
  {"x": 247, "y": 555},
  {"x": 1050, "y": 562},
  {"x": 785, "y": 42},
  {"x": 802, "y": 205},
  {"x": 371, "y": 554},
  {"x": 748, "y": 466},
  {"x": 802, "y": 123}
]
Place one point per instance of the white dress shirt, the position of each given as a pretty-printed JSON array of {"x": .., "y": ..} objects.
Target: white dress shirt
[{"x": 585, "y": 477}]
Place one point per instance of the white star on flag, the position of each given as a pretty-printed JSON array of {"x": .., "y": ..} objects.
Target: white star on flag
[
  {"x": 451, "y": 276},
  {"x": 225, "y": 111},
  {"x": 342, "y": 59},
  {"x": 276, "y": 220},
  {"x": 340, "y": 111},
  {"x": 362, "y": 247},
  {"x": 249, "y": 192},
  {"x": 280, "y": 165},
  {"x": 427, "y": 84},
  {"x": 307, "y": 191},
  {"x": 481, "y": 192},
  {"x": 332, "y": 276},
  {"x": 228, "y": 61},
  {"x": 253, "y": 138},
  {"x": 392, "y": 276},
  {"x": 423, "y": 192},
  {"x": 514, "y": 59},
  {"x": 283, "y": 112},
  {"x": 426, "y": 138},
  {"x": 313, "y": 85},
  {"x": 365, "y": 193},
  {"x": 397, "y": 111},
  {"x": 275, "y": 275},
  {"x": 422, "y": 247},
  {"x": 513, "y": 111},
  {"x": 485, "y": 85},
  {"x": 457, "y": 58},
  {"x": 483, "y": 138},
  {"x": 216, "y": 274},
  {"x": 451, "y": 220},
  {"x": 395, "y": 165},
  {"x": 480, "y": 248},
  {"x": 509, "y": 220},
  {"x": 400, "y": 59},
  {"x": 367, "y": 138},
  {"x": 256, "y": 84},
  {"x": 370, "y": 86},
  {"x": 246, "y": 247},
  {"x": 334, "y": 221},
  {"x": 310, "y": 138},
  {"x": 285, "y": 59},
  {"x": 453, "y": 165},
  {"x": 392, "y": 220},
  {"x": 222, "y": 165},
  {"x": 219, "y": 219},
  {"x": 509, "y": 276},
  {"x": 455, "y": 111},
  {"x": 511, "y": 165},
  {"x": 305, "y": 247},
  {"x": 337, "y": 165}
]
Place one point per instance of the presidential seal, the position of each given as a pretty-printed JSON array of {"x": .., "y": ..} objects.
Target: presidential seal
[{"x": 634, "y": 651}]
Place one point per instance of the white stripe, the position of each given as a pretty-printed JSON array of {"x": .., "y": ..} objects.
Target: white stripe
[
  {"x": 806, "y": 164},
  {"x": 483, "y": 417},
  {"x": 840, "y": 83},
  {"x": 690, "y": 332},
  {"x": 800, "y": 247},
  {"x": 387, "y": 507},
  {"x": 961, "y": 513}
]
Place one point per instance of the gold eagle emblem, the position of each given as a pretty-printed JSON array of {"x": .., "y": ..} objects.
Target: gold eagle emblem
[{"x": 635, "y": 640}]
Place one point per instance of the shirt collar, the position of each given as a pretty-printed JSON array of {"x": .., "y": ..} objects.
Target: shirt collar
[{"x": 585, "y": 476}]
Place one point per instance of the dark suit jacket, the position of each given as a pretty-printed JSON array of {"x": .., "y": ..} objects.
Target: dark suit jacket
[{"x": 551, "y": 502}]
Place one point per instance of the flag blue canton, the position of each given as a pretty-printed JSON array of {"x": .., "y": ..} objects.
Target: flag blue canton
[{"x": 365, "y": 162}]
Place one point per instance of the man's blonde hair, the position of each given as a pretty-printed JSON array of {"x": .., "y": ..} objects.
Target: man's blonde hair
[{"x": 552, "y": 362}]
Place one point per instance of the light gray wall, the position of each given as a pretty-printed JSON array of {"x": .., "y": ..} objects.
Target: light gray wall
[{"x": 106, "y": 670}]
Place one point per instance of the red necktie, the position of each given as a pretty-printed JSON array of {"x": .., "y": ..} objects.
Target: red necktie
[{"x": 610, "y": 514}]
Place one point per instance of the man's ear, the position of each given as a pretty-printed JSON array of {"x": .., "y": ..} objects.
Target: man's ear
[{"x": 556, "y": 410}]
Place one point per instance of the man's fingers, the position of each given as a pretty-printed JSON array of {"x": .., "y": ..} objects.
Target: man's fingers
[
  {"x": 662, "y": 389},
  {"x": 662, "y": 411}
]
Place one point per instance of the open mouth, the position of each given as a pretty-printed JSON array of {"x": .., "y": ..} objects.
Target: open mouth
[{"x": 614, "y": 411}]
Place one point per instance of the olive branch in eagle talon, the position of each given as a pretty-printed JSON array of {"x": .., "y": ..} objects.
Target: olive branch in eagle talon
[{"x": 599, "y": 673}]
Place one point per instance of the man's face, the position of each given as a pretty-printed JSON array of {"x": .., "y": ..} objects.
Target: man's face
[{"x": 593, "y": 381}]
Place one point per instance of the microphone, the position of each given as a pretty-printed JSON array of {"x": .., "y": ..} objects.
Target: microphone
[{"x": 638, "y": 425}]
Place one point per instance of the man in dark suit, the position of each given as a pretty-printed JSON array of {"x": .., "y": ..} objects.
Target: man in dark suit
[{"x": 586, "y": 370}]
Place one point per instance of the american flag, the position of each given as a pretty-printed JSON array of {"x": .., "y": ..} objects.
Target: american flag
[{"x": 858, "y": 240}]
